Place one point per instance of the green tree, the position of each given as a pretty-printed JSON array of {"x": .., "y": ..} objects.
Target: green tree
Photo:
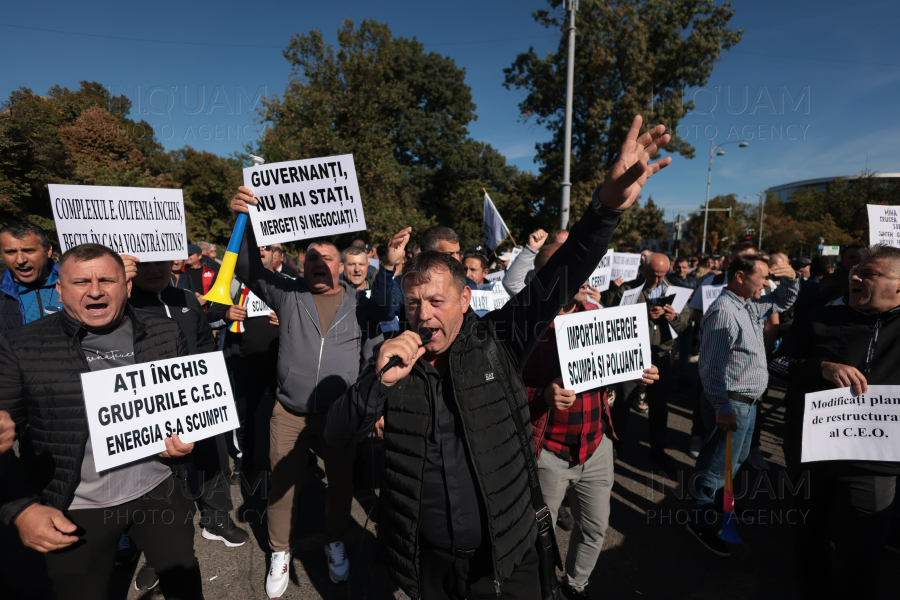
[
  {"x": 630, "y": 57},
  {"x": 403, "y": 114},
  {"x": 80, "y": 137},
  {"x": 640, "y": 224},
  {"x": 722, "y": 230},
  {"x": 209, "y": 182}
]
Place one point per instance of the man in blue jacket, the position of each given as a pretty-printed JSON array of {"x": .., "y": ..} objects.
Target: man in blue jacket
[{"x": 28, "y": 290}]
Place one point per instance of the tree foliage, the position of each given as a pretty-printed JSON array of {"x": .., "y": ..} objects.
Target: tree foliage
[
  {"x": 631, "y": 58},
  {"x": 403, "y": 114},
  {"x": 84, "y": 137},
  {"x": 640, "y": 224}
]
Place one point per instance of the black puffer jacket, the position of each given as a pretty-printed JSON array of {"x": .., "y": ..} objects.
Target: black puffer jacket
[
  {"x": 182, "y": 307},
  {"x": 490, "y": 434},
  {"x": 40, "y": 386},
  {"x": 840, "y": 334}
]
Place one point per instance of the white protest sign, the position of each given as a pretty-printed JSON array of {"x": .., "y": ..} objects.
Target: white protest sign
[
  {"x": 307, "y": 198},
  {"x": 884, "y": 225},
  {"x": 600, "y": 278},
  {"x": 374, "y": 262},
  {"x": 840, "y": 426},
  {"x": 256, "y": 307},
  {"x": 625, "y": 265},
  {"x": 629, "y": 297},
  {"x": 682, "y": 295},
  {"x": 144, "y": 222},
  {"x": 831, "y": 250},
  {"x": 602, "y": 347},
  {"x": 495, "y": 276},
  {"x": 488, "y": 297},
  {"x": 132, "y": 409},
  {"x": 710, "y": 293}
]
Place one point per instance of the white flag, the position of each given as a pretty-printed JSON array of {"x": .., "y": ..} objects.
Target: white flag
[{"x": 494, "y": 227}]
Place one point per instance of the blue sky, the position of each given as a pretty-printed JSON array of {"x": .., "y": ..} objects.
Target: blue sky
[{"x": 803, "y": 118}]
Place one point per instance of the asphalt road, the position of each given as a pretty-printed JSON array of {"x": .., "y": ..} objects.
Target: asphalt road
[{"x": 647, "y": 554}]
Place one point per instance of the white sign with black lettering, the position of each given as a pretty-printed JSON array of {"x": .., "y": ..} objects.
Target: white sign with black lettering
[
  {"x": 602, "y": 347},
  {"x": 256, "y": 307},
  {"x": 495, "y": 276},
  {"x": 601, "y": 276},
  {"x": 488, "y": 297},
  {"x": 625, "y": 265},
  {"x": 302, "y": 199},
  {"x": 840, "y": 426},
  {"x": 630, "y": 297},
  {"x": 144, "y": 222},
  {"x": 131, "y": 410},
  {"x": 710, "y": 293},
  {"x": 884, "y": 225}
]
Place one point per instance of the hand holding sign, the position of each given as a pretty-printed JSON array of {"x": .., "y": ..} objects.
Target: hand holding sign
[
  {"x": 175, "y": 449},
  {"x": 651, "y": 376},
  {"x": 631, "y": 170},
  {"x": 845, "y": 376},
  {"x": 242, "y": 201},
  {"x": 557, "y": 397},
  {"x": 130, "y": 265}
]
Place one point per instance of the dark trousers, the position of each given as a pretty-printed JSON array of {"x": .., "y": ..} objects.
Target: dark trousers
[
  {"x": 443, "y": 576},
  {"x": 852, "y": 511},
  {"x": 208, "y": 482},
  {"x": 657, "y": 400},
  {"x": 253, "y": 375},
  {"x": 161, "y": 523}
]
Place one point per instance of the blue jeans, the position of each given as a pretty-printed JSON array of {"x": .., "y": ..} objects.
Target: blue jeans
[{"x": 709, "y": 472}]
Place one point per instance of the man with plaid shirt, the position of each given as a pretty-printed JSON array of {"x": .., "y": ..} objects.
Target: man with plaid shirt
[{"x": 576, "y": 429}]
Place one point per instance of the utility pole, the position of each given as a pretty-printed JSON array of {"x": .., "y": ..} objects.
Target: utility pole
[
  {"x": 572, "y": 6},
  {"x": 762, "y": 207},
  {"x": 712, "y": 149}
]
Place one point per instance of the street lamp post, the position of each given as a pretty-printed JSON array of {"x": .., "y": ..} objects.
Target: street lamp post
[
  {"x": 712, "y": 149},
  {"x": 572, "y": 6}
]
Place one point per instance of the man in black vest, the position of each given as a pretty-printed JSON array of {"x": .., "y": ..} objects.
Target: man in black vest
[{"x": 457, "y": 515}]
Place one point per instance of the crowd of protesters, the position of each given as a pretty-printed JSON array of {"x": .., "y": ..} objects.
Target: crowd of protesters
[{"x": 359, "y": 342}]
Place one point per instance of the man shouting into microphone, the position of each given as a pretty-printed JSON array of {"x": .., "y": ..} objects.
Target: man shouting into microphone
[{"x": 457, "y": 515}]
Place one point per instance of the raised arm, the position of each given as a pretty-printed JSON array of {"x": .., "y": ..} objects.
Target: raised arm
[
  {"x": 784, "y": 295},
  {"x": 523, "y": 320}
]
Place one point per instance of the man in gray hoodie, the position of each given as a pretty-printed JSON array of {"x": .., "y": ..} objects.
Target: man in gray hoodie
[{"x": 327, "y": 331}]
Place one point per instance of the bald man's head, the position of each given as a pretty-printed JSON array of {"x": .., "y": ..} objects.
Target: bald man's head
[
  {"x": 655, "y": 269},
  {"x": 544, "y": 255}
]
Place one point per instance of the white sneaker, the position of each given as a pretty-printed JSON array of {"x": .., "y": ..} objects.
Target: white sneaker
[
  {"x": 279, "y": 574},
  {"x": 757, "y": 460},
  {"x": 696, "y": 446},
  {"x": 338, "y": 563}
]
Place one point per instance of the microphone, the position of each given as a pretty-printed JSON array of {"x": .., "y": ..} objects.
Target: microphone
[{"x": 425, "y": 334}]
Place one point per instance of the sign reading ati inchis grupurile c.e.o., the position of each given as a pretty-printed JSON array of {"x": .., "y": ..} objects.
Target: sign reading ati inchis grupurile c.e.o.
[{"x": 132, "y": 409}]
